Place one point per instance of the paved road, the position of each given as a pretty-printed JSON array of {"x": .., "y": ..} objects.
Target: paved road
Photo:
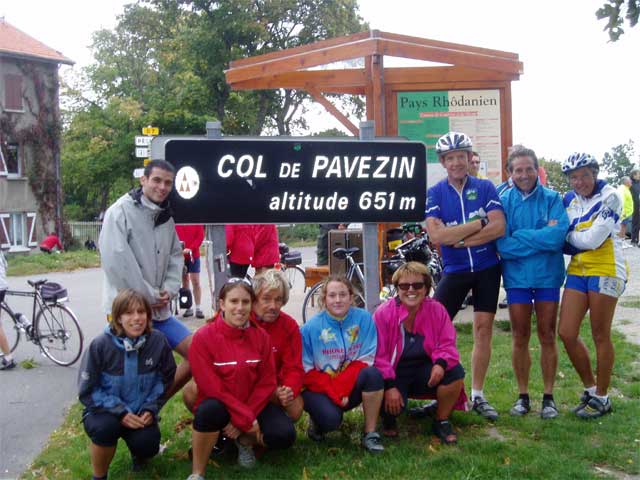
[{"x": 33, "y": 402}]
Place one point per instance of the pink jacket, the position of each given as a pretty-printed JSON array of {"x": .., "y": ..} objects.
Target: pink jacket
[{"x": 432, "y": 321}]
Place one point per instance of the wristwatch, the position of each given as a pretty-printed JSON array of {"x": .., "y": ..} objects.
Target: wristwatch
[{"x": 484, "y": 221}]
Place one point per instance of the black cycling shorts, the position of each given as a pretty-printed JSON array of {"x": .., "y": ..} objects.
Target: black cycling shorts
[{"x": 484, "y": 285}]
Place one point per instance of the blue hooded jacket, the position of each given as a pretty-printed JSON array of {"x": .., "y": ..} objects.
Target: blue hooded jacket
[
  {"x": 118, "y": 375},
  {"x": 531, "y": 250}
]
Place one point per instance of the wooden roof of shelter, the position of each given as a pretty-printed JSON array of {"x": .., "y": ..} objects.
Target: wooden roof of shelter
[{"x": 289, "y": 69}]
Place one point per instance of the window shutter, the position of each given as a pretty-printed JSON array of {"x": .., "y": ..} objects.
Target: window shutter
[
  {"x": 5, "y": 237},
  {"x": 13, "y": 92},
  {"x": 3, "y": 165},
  {"x": 31, "y": 229}
]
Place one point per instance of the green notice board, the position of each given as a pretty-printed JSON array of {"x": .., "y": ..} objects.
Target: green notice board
[{"x": 425, "y": 116}]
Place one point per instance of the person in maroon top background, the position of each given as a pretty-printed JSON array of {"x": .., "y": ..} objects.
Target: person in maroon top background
[
  {"x": 192, "y": 237},
  {"x": 50, "y": 242},
  {"x": 234, "y": 370}
]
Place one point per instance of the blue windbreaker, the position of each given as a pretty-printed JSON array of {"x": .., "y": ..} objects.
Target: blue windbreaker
[
  {"x": 120, "y": 376},
  {"x": 531, "y": 251},
  {"x": 329, "y": 345}
]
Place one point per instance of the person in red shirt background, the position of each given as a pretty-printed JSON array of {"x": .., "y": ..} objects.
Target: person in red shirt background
[
  {"x": 50, "y": 242},
  {"x": 192, "y": 237},
  {"x": 266, "y": 252}
]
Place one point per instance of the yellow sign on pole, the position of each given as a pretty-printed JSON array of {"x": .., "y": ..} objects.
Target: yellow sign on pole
[
  {"x": 146, "y": 161},
  {"x": 151, "y": 131}
]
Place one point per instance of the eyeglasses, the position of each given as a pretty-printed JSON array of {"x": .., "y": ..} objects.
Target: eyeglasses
[
  {"x": 233, "y": 280},
  {"x": 407, "y": 286}
]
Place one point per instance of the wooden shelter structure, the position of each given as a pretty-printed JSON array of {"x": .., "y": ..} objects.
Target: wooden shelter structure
[{"x": 467, "y": 68}]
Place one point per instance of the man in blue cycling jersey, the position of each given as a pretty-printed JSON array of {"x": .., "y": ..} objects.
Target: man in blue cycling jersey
[{"x": 465, "y": 216}]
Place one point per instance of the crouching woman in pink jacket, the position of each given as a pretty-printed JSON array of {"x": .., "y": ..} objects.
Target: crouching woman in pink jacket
[{"x": 417, "y": 353}]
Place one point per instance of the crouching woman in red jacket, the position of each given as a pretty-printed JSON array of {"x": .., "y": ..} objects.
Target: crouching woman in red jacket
[{"x": 235, "y": 373}]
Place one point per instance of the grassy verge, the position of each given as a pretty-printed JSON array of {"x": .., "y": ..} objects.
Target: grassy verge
[
  {"x": 43, "y": 262},
  {"x": 511, "y": 448}
]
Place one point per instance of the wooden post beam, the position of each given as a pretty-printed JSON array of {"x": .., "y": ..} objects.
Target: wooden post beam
[{"x": 330, "y": 107}]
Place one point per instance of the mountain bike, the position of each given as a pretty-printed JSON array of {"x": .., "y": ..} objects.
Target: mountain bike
[
  {"x": 312, "y": 304},
  {"x": 55, "y": 328}
]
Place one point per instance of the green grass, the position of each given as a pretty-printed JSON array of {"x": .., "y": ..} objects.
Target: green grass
[
  {"x": 42, "y": 262},
  {"x": 512, "y": 448},
  {"x": 630, "y": 302}
]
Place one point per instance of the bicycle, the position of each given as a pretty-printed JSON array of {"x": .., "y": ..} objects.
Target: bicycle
[
  {"x": 290, "y": 261},
  {"x": 311, "y": 304},
  {"x": 55, "y": 328},
  {"x": 416, "y": 249}
]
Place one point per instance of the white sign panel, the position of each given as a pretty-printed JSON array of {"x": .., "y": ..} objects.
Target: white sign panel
[
  {"x": 143, "y": 141},
  {"x": 142, "y": 152}
]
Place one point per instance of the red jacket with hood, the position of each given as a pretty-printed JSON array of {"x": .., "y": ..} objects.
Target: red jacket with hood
[{"x": 234, "y": 366}]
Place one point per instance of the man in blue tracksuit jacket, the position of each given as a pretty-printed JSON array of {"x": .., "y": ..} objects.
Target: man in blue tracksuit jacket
[{"x": 533, "y": 272}]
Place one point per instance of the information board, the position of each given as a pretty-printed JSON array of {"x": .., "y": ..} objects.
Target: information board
[
  {"x": 296, "y": 181},
  {"x": 425, "y": 116}
]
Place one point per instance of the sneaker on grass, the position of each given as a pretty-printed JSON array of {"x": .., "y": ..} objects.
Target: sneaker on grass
[
  {"x": 595, "y": 408},
  {"x": 199, "y": 313},
  {"x": 313, "y": 433},
  {"x": 520, "y": 408},
  {"x": 372, "y": 442},
  {"x": 246, "y": 456},
  {"x": 188, "y": 313},
  {"x": 484, "y": 409},
  {"x": 549, "y": 410},
  {"x": 584, "y": 399}
]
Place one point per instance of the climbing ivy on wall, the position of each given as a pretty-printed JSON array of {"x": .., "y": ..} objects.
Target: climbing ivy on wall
[{"x": 39, "y": 140}]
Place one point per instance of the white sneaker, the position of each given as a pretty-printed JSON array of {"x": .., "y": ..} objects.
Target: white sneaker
[{"x": 246, "y": 456}]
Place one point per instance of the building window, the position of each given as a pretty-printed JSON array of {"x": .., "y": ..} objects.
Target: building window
[
  {"x": 13, "y": 92},
  {"x": 12, "y": 159},
  {"x": 18, "y": 237}
]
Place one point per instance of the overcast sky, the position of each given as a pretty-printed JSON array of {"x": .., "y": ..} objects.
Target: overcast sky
[{"x": 578, "y": 91}]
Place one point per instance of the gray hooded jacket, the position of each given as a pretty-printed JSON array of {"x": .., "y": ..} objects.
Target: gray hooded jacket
[{"x": 139, "y": 249}]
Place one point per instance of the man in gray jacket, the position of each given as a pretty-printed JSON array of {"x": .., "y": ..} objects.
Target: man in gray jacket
[{"x": 139, "y": 249}]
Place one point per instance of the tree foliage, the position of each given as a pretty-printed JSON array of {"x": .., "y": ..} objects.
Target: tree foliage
[
  {"x": 615, "y": 12},
  {"x": 618, "y": 163},
  {"x": 163, "y": 65},
  {"x": 556, "y": 180}
]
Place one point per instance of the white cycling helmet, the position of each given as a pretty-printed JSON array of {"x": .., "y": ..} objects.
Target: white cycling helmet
[
  {"x": 579, "y": 160},
  {"x": 453, "y": 141}
]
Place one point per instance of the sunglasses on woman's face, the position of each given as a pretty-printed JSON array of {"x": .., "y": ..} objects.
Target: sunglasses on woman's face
[{"x": 407, "y": 286}]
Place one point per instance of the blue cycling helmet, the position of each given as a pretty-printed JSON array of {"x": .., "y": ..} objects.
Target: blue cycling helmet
[
  {"x": 579, "y": 160},
  {"x": 453, "y": 141}
]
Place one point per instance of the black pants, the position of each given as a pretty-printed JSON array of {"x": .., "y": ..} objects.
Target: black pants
[
  {"x": 635, "y": 223},
  {"x": 326, "y": 415},
  {"x": 238, "y": 270},
  {"x": 105, "y": 429},
  {"x": 277, "y": 428},
  {"x": 412, "y": 381},
  {"x": 484, "y": 285}
]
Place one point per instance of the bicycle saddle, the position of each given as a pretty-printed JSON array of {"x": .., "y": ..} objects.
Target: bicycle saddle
[
  {"x": 342, "y": 253},
  {"x": 37, "y": 283}
]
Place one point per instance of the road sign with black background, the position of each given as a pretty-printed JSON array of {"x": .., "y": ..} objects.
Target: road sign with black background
[{"x": 296, "y": 181}]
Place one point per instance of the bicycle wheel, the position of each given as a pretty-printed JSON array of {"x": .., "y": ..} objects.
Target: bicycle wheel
[
  {"x": 295, "y": 276},
  {"x": 59, "y": 334},
  {"x": 311, "y": 304},
  {"x": 9, "y": 326}
]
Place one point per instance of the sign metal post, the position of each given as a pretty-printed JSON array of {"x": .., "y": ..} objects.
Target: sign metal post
[{"x": 370, "y": 242}]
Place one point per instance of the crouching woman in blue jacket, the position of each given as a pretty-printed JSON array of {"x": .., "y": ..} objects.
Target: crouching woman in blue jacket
[{"x": 122, "y": 381}]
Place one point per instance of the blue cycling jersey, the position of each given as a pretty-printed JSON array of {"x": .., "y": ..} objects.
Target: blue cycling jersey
[{"x": 478, "y": 197}]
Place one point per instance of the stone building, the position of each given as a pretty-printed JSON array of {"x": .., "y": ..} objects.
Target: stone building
[{"x": 30, "y": 129}]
